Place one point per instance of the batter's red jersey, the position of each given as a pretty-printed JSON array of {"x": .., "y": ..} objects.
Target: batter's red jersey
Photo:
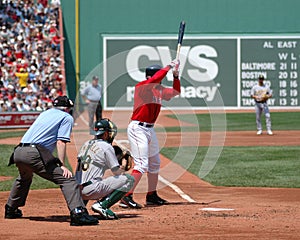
[{"x": 149, "y": 94}]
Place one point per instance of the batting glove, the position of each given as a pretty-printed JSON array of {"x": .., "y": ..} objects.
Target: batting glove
[{"x": 175, "y": 64}]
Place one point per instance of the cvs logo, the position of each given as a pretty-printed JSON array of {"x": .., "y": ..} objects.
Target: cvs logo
[{"x": 203, "y": 69}]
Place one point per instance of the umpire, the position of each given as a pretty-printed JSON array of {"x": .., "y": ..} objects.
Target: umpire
[
  {"x": 52, "y": 129},
  {"x": 92, "y": 96}
]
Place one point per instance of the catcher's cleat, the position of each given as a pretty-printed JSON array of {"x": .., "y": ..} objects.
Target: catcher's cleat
[
  {"x": 80, "y": 217},
  {"x": 128, "y": 202},
  {"x": 154, "y": 199},
  {"x": 104, "y": 212},
  {"x": 12, "y": 213}
]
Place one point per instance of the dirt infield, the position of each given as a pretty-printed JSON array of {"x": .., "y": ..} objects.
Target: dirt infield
[{"x": 200, "y": 211}]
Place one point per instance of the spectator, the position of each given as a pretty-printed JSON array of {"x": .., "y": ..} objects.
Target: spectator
[
  {"x": 23, "y": 77},
  {"x": 13, "y": 107},
  {"x": 4, "y": 107},
  {"x": 27, "y": 29},
  {"x": 55, "y": 42},
  {"x": 32, "y": 73},
  {"x": 32, "y": 85},
  {"x": 44, "y": 3},
  {"x": 22, "y": 107},
  {"x": 17, "y": 98}
]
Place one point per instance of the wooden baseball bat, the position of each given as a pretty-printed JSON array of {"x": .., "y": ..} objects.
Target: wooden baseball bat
[{"x": 180, "y": 37}]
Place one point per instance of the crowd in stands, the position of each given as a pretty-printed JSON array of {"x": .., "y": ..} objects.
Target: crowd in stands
[{"x": 30, "y": 67}]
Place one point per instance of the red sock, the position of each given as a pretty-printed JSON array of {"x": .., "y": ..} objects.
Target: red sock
[{"x": 137, "y": 176}]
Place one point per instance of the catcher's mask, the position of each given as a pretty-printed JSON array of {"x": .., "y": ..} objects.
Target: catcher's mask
[
  {"x": 151, "y": 70},
  {"x": 105, "y": 125}
]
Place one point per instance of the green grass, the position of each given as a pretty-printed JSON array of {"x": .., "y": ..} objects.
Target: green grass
[
  {"x": 11, "y": 134},
  {"x": 12, "y": 171},
  {"x": 237, "y": 121},
  {"x": 245, "y": 166},
  {"x": 236, "y": 166}
]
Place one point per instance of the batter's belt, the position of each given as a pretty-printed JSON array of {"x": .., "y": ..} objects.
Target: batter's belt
[{"x": 144, "y": 124}]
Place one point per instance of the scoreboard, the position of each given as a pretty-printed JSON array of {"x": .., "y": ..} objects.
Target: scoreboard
[{"x": 278, "y": 60}]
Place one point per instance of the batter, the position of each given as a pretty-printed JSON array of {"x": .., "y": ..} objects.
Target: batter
[{"x": 148, "y": 98}]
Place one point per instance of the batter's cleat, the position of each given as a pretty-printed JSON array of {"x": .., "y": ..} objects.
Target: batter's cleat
[
  {"x": 259, "y": 132},
  {"x": 128, "y": 202},
  {"x": 81, "y": 217},
  {"x": 154, "y": 199},
  {"x": 12, "y": 213},
  {"x": 270, "y": 132},
  {"x": 104, "y": 212}
]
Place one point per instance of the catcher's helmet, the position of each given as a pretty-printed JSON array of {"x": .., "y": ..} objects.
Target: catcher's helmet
[
  {"x": 151, "y": 70},
  {"x": 105, "y": 125},
  {"x": 63, "y": 101}
]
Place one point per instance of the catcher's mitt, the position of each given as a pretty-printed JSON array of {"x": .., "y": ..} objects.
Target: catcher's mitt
[{"x": 124, "y": 158}]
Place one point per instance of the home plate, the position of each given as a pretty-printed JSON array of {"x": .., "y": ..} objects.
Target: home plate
[{"x": 217, "y": 209}]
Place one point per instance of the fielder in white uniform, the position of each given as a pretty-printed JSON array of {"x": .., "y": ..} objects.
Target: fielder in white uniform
[
  {"x": 261, "y": 93},
  {"x": 95, "y": 157}
]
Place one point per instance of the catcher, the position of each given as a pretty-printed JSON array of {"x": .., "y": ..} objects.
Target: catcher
[{"x": 95, "y": 157}]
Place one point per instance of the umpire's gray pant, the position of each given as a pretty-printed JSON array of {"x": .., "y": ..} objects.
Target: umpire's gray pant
[
  {"x": 28, "y": 161},
  {"x": 94, "y": 109}
]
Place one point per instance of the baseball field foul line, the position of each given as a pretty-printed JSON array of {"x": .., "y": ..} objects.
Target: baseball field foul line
[
  {"x": 176, "y": 189},
  {"x": 82, "y": 118},
  {"x": 160, "y": 178}
]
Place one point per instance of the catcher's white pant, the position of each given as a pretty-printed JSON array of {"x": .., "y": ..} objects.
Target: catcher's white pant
[
  {"x": 102, "y": 187},
  {"x": 144, "y": 147},
  {"x": 259, "y": 108}
]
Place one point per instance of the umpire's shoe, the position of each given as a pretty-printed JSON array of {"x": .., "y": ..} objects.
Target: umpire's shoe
[
  {"x": 154, "y": 199},
  {"x": 81, "y": 217},
  {"x": 12, "y": 213}
]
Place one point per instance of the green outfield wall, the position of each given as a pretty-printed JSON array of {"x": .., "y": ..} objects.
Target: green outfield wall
[{"x": 226, "y": 45}]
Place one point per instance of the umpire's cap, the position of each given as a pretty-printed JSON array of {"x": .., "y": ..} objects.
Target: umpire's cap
[
  {"x": 63, "y": 101},
  {"x": 151, "y": 70}
]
